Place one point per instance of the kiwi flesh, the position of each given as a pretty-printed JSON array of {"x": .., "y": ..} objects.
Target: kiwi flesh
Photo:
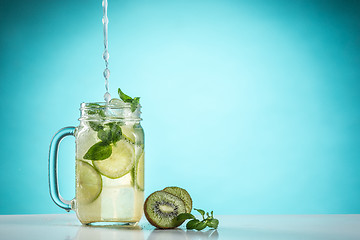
[
  {"x": 161, "y": 209},
  {"x": 182, "y": 194}
]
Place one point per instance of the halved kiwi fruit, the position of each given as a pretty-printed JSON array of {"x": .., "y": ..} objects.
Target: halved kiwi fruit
[
  {"x": 182, "y": 194},
  {"x": 162, "y": 208}
]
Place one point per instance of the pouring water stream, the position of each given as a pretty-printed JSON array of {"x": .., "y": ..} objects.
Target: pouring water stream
[{"x": 106, "y": 73}]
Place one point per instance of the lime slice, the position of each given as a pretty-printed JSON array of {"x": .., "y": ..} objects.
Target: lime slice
[
  {"x": 140, "y": 172},
  {"x": 119, "y": 163},
  {"x": 89, "y": 183},
  {"x": 128, "y": 132}
]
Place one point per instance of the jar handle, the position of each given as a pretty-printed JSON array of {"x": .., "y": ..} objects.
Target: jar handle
[{"x": 53, "y": 174}]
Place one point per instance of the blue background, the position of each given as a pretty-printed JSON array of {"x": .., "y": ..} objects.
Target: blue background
[{"x": 252, "y": 106}]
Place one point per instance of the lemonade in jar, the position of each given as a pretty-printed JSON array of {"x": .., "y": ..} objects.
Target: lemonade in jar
[{"x": 109, "y": 163}]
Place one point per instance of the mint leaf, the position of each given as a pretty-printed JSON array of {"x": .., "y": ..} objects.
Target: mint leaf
[
  {"x": 93, "y": 105},
  {"x": 201, "y": 225},
  {"x": 196, "y": 224},
  {"x": 202, "y": 212},
  {"x": 110, "y": 134},
  {"x": 101, "y": 113},
  {"x": 99, "y": 151},
  {"x": 124, "y": 97},
  {"x": 96, "y": 110},
  {"x": 184, "y": 216},
  {"x": 192, "y": 224},
  {"x": 213, "y": 223},
  {"x": 96, "y": 126},
  {"x": 135, "y": 103},
  {"x": 111, "y": 124},
  {"x": 105, "y": 135},
  {"x": 115, "y": 133}
]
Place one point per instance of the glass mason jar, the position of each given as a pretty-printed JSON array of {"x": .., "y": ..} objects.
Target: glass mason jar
[{"x": 109, "y": 164}]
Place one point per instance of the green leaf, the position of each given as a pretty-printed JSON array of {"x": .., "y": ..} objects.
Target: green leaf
[
  {"x": 184, "y": 216},
  {"x": 93, "y": 105},
  {"x": 124, "y": 97},
  {"x": 96, "y": 110},
  {"x": 99, "y": 151},
  {"x": 201, "y": 225},
  {"x": 192, "y": 224},
  {"x": 115, "y": 133},
  {"x": 92, "y": 112},
  {"x": 101, "y": 113},
  {"x": 202, "y": 212},
  {"x": 111, "y": 124},
  {"x": 96, "y": 126},
  {"x": 111, "y": 133},
  {"x": 105, "y": 135},
  {"x": 135, "y": 103},
  {"x": 213, "y": 223}
]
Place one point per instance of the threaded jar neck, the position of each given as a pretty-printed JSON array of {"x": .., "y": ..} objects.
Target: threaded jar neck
[{"x": 100, "y": 111}]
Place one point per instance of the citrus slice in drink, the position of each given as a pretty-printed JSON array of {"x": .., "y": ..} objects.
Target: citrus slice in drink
[
  {"x": 140, "y": 172},
  {"x": 120, "y": 162},
  {"x": 89, "y": 183},
  {"x": 128, "y": 132}
]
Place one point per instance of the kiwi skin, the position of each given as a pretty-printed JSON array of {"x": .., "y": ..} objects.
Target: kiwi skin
[
  {"x": 182, "y": 194},
  {"x": 152, "y": 222}
]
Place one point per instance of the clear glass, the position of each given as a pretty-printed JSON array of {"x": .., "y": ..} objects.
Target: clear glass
[{"x": 109, "y": 165}]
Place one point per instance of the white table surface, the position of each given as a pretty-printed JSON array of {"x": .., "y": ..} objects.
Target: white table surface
[{"x": 243, "y": 227}]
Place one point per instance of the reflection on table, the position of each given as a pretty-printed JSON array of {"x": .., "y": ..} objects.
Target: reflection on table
[{"x": 137, "y": 233}]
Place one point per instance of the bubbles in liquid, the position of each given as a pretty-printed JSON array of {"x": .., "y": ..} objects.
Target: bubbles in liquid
[{"x": 107, "y": 97}]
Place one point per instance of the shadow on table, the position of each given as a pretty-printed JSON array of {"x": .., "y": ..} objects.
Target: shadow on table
[{"x": 173, "y": 234}]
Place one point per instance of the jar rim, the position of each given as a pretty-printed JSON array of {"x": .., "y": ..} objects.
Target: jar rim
[
  {"x": 100, "y": 111},
  {"x": 104, "y": 105}
]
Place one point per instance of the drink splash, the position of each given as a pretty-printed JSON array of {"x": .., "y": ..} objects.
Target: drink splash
[{"x": 106, "y": 73}]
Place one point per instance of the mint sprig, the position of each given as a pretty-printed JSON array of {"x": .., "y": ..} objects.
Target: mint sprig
[
  {"x": 109, "y": 134},
  {"x": 196, "y": 224},
  {"x": 133, "y": 101},
  {"x": 124, "y": 97}
]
